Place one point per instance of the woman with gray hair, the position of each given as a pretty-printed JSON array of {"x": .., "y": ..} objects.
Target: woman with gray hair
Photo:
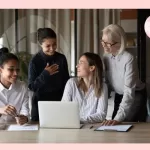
[{"x": 122, "y": 75}]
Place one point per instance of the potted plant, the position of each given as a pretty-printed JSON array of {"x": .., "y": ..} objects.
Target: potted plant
[{"x": 24, "y": 58}]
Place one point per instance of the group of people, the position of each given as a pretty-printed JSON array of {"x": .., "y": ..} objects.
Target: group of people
[{"x": 48, "y": 78}]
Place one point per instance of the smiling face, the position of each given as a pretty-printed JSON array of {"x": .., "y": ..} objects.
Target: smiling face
[
  {"x": 83, "y": 68},
  {"x": 49, "y": 46},
  {"x": 109, "y": 46},
  {"x": 113, "y": 39},
  {"x": 9, "y": 71}
]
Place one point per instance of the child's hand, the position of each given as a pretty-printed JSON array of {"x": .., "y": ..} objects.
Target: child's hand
[{"x": 53, "y": 69}]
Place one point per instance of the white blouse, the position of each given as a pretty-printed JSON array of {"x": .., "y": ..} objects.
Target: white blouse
[
  {"x": 17, "y": 96},
  {"x": 92, "y": 109}
]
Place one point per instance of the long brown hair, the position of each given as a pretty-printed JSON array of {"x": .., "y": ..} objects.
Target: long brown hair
[{"x": 94, "y": 60}]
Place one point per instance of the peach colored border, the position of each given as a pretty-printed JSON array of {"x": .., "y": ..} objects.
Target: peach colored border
[
  {"x": 75, "y": 4},
  {"x": 74, "y": 146}
]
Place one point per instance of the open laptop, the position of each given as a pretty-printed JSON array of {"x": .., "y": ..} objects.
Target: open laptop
[{"x": 57, "y": 114}]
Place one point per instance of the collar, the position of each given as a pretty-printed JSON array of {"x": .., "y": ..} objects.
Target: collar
[
  {"x": 47, "y": 56},
  {"x": 3, "y": 88},
  {"x": 117, "y": 57}
]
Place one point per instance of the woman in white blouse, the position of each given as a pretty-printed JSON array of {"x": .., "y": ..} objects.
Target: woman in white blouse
[
  {"x": 88, "y": 89},
  {"x": 13, "y": 93},
  {"x": 122, "y": 76}
]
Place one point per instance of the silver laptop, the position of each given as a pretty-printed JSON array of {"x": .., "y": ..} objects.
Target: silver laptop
[{"x": 57, "y": 114}]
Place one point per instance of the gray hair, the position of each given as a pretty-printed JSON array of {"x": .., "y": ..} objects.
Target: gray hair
[{"x": 116, "y": 33}]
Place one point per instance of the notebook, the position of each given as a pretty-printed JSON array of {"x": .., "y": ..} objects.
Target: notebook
[
  {"x": 27, "y": 127},
  {"x": 118, "y": 128}
]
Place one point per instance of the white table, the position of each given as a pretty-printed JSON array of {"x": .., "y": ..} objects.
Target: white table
[{"x": 140, "y": 133}]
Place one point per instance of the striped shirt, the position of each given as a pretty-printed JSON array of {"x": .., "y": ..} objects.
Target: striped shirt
[
  {"x": 122, "y": 77},
  {"x": 92, "y": 109}
]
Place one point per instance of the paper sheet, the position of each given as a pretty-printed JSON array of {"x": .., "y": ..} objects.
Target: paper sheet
[
  {"x": 123, "y": 128},
  {"x": 27, "y": 127}
]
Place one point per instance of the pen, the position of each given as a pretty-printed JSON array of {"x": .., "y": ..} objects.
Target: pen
[
  {"x": 91, "y": 127},
  {"x": 16, "y": 115}
]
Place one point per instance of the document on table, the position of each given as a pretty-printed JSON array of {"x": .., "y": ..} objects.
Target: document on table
[
  {"x": 27, "y": 127},
  {"x": 120, "y": 128}
]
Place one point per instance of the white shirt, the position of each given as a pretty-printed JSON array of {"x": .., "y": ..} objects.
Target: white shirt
[
  {"x": 122, "y": 77},
  {"x": 17, "y": 96},
  {"x": 92, "y": 109}
]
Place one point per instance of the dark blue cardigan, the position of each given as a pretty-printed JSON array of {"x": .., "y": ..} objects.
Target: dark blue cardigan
[
  {"x": 40, "y": 80},
  {"x": 46, "y": 86}
]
